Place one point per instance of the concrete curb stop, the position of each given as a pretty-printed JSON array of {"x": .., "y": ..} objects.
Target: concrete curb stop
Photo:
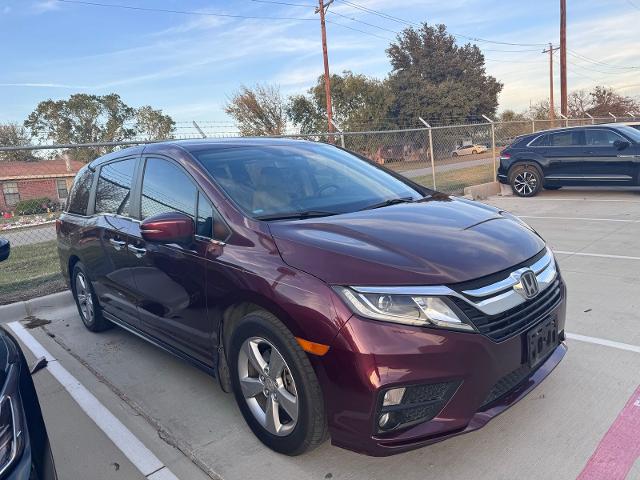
[
  {"x": 482, "y": 191},
  {"x": 20, "y": 310}
]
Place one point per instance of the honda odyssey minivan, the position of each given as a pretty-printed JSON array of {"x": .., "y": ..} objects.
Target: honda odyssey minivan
[{"x": 333, "y": 297}]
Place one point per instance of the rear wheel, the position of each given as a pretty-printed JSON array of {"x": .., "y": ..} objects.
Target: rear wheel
[
  {"x": 86, "y": 300},
  {"x": 275, "y": 386},
  {"x": 525, "y": 180}
]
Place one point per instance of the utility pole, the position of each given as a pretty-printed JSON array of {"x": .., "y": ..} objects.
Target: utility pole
[
  {"x": 552, "y": 111},
  {"x": 563, "y": 57},
  {"x": 322, "y": 8}
]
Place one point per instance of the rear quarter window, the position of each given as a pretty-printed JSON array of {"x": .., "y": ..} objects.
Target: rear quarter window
[{"x": 79, "y": 196}]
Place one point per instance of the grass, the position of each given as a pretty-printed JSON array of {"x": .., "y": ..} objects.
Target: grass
[
  {"x": 454, "y": 181},
  {"x": 30, "y": 271}
]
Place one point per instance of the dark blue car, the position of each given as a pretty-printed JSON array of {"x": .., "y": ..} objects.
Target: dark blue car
[{"x": 576, "y": 156}]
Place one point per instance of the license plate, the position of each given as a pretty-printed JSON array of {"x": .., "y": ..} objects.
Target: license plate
[{"x": 541, "y": 340}]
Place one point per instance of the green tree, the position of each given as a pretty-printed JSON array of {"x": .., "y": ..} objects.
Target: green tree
[
  {"x": 259, "y": 110},
  {"x": 14, "y": 135},
  {"x": 84, "y": 118},
  {"x": 359, "y": 102},
  {"x": 437, "y": 79},
  {"x": 152, "y": 124}
]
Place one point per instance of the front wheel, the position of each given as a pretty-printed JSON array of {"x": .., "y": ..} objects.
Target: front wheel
[
  {"x": 275, "y": 386},
  {"x": 525, "y": 180}
]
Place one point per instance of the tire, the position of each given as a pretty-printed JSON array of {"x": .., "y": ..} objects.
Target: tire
[
  {"x": 555, "y": 187},
  {"x": 525, "y": 180},
  {"x": 474, "y": 152},
  {"x": 301, "y": 425},
  {"x": 86, "y": 300},
  {"x": 454, "y": 154}
]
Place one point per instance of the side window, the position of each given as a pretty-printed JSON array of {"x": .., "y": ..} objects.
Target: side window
[
  {"x": 79, "y": 197},
  {"x": 11, "y": 193},
  {"x": 166, "y": 188},
  {"x": 567, "y": 139},
  {"x": 209, "y": 222},
  {"x": 541, "y": 141},
  {"x": 61, "y": 186},
  {"x": 113, "y": 194},
  {"x": 601, "y": 138}
]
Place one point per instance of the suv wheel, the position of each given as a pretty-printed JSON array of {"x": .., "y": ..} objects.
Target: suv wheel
[
  {"x": 275, "y": 386},
  {"x": 525, "y": 180},
  {"x": 86, "y": 300}
]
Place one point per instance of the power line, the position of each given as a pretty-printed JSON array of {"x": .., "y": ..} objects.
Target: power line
[
  {"x": 598, "y": 62},
  {"x": 407, "y": 22},
  {"x": 183, "y": 12}
]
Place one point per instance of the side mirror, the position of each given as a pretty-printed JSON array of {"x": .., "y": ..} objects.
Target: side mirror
[
  {"x": 171, "y": 227},
  {"x": 621, "y": 144},
  {"x": 5, "y": 249}
]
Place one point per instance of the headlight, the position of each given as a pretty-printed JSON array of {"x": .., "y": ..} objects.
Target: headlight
[
  {"x": 11, "y": 422},
  {"x": 408, "y": 309}
]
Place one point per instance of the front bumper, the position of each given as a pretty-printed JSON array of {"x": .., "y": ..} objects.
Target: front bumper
[{"x": 381, "y": 355}]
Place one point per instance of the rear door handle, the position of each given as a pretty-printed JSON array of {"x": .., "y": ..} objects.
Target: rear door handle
[
  {"x": 117, "y": 244},
  {"x": 137, "y": 251}
]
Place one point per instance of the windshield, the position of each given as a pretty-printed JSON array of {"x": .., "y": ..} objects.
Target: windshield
[
  {"x": 294, "y": 180},
  {"x": 630, "y": 132}
]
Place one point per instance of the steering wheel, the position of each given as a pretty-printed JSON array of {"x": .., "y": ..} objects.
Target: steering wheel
[{"x": 327, "y": 187}]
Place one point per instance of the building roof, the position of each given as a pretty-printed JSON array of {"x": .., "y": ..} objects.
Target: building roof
[{"x": 59, "y": 167}]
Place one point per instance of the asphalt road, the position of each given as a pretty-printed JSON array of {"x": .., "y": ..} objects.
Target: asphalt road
[{"x": 196, "y": 431}]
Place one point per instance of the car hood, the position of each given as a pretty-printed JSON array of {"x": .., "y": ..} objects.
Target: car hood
[{"x": 438, "y": 241}]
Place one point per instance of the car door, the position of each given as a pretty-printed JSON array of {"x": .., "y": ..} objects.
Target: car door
[
  {"x": 608, "y": 164},
  {"x": 171, "y": 279},
  {"x": 112, "y": 274},
  {"x": 564, "y": 156}
]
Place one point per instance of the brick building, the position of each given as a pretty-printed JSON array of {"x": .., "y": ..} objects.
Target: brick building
[{"x": 25, "y": 180}]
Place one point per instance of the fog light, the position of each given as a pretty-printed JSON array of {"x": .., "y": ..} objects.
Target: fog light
[
  {"x": 384, "y": 420},
  {"x": 393, "y": 397}
]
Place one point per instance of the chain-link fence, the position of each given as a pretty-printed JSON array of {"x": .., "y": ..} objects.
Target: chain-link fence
[{"x": 35, "y": 181}]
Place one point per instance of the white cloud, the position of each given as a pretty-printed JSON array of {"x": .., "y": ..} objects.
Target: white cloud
[{"x": 43, "y": 6}]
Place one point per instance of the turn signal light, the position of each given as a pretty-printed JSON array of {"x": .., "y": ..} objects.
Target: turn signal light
[{"x": 312, "y": 347}]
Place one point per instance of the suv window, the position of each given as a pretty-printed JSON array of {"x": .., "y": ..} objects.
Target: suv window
[
  {"x": 79, "y": 197},
  {"x": 114, "y": 187},
  {"x": 601, "y": 138},
  {"x": 541, "y": 141},
  {"x": 567, "y": 139},
  {"x": 166, "y": 188}
]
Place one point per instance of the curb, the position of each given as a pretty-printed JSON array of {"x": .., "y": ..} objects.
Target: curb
[
  {"x": 20, "y": 310},
  {"x": 482, "y": 191}
]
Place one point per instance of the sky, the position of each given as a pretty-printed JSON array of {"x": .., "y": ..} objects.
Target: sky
[{"x": 188, "y": 65}]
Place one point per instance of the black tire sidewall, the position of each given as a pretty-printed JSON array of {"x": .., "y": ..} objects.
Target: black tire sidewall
[
  {"x": 98, "y": 323},
  {"x": 300, "y": 438},
  {"x": 528, "y": 168}
]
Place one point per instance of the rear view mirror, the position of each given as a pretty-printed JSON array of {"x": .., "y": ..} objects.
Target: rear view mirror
[
  {"x": 171, "y": 227},
  {"x": 621, "y": 144},
  {"x": 5, "y": 249}
]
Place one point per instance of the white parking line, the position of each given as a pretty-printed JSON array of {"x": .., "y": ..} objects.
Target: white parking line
[
  {"x": 600, "y": 255},
  {"x": 604, "y": 342},
  {"x": 589, "y": 219},
  {"x": 140, "y": 456}
]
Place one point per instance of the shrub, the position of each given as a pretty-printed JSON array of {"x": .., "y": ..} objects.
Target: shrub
[{"x": 34, "y": 206}]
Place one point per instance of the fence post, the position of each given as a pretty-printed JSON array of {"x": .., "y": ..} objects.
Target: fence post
[
  {"x": 614, "y": 117},
  {"x": 493, "y": 144},
  {"x": 335, "y": 125},
  {"x": 593, "y": 121},
  {"x": 566, "y": 120},
  {"x": 433, "y": 165},
  {"x": 197, "y": 127}
]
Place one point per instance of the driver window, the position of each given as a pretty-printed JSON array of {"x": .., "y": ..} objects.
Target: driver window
[{"x": 166, "y": 188}]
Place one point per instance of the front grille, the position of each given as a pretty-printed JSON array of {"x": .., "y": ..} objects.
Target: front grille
[
  {"x": 517, "y": 319},
  {"x": 506, "y": 384}
]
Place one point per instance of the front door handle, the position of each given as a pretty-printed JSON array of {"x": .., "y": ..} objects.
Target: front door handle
[
  {"x": 117, "y": 244},
  {"x": 137, "y": 251}
]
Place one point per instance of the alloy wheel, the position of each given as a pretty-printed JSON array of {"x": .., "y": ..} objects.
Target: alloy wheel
[
  {"x": 525, "y": 183},
  {"x": 268, "y": 386},
  {"x": 84, "y": 298}
]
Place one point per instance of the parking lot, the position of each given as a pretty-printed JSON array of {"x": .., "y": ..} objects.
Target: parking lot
[{"x": 117, "y": 407}]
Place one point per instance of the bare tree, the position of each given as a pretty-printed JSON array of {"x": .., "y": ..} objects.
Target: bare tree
[{"x": 259, "y": 110}]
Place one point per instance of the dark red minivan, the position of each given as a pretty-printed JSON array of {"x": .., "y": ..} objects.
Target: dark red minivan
[{"x": 335, "y": 298}]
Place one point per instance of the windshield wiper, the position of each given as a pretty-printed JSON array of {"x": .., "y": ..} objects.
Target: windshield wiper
[
  {"x": 389, "y": 202},
  {"x": 297, "y": 215}
]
